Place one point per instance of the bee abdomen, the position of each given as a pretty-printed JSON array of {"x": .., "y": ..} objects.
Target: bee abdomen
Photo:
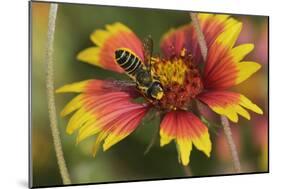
[{"x": 128, "y": 61}]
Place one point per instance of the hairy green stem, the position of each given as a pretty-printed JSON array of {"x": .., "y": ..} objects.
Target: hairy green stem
[
  {"x": 231, "y": 144},
  {"x": 224, "y": 120},
  {"x": 51, "y": 97},
  {"x": 200, "y": 36}
]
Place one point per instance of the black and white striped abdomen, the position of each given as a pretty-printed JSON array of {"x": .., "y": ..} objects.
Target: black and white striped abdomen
[{"x": 128, "y": 61}]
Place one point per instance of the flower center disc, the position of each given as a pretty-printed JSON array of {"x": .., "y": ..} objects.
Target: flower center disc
[{"x": 181, "y": 81}]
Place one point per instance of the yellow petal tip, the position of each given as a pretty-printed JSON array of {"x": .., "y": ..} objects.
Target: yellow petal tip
[
  {"x": 105, "y": 147},
  {"x": 234, "y": 120},
  {"x": 259, "y": 110},
  {"x": 164, "y": 142},
  {"x": 94, "y": 155},
  {"x": 60, "y": 90},
  {"x": 251, "y": 46},
  {"x": 79, "y": 56},
  {"x": 69, "y": 131}
]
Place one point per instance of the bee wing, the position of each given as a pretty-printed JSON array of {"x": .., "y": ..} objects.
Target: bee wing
[
  {"x": 122, "y": 83},
  {"x": 147, "y": 48},
  {"x": 125, "y": 86}
]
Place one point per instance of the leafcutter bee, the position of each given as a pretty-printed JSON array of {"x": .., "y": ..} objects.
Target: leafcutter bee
[{"x": 139, "y": 71}]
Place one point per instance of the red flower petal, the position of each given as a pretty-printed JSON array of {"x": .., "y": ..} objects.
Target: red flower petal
[
  {"x": 229, "y": 104},
  {"x": 174, "y": 41},
  {"x": 185, "y": 37},
  {"x": 115, "y": 36},
  {"x": 186, "y": 129},
  {"x": 223, "y": 67},
  {"x": 103, "y": 107}
]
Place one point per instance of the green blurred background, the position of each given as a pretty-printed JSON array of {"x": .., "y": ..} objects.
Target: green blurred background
[{"x": 126, "y": 160}]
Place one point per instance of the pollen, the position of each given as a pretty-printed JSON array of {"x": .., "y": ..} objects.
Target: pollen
[
  {"x": 181, "y": 81},
  {"x": 170, "y": 71}
]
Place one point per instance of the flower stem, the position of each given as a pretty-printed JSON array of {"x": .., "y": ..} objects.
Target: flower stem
[
  {"x": 224, "y": 120},
  {"x": 231, "y": 144},
  {"x": 187, "y": 171},
  {"x": 200, "y": 35},
  {"x": 50, "y": 95}
]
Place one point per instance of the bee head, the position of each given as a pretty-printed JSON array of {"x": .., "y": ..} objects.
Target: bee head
[{"x": 156, "y": 91}]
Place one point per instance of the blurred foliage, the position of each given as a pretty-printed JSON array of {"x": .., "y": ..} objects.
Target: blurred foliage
[{"x": 126, "y": 160}]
